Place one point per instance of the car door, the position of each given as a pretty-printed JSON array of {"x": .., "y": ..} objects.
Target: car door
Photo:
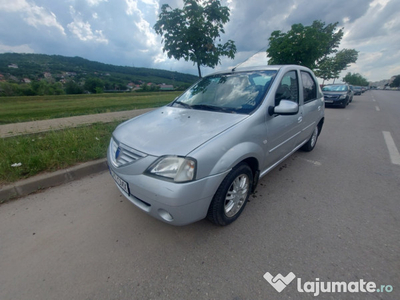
[
  {"x": 311, "y": 105},
  {"x": 282, "y": 130}
]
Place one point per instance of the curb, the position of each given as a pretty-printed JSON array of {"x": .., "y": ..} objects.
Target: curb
[{"x": 43, "y": 181}]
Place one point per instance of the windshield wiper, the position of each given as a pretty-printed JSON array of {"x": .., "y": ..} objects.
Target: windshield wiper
[
  {"x": 212, "y": 108},
  {"x": 183, "y": 104}
]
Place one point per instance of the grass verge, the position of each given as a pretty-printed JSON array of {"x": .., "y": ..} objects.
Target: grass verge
[
  {"x": 24, "y": 109},
  {"x": 50, "y": 151}
]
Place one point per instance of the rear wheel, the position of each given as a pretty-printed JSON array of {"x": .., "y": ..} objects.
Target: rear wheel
[{"x": 231, "y": 196}]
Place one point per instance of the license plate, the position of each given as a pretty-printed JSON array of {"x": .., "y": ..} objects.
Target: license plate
[
  {"x": 328, "y": 101},
  {"x": 121, "y": 183}
]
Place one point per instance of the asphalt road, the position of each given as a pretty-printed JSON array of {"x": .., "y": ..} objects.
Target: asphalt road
[{"x": 331, "y": 215}]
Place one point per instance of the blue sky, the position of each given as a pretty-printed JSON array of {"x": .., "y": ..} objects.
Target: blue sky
[{"x": 121, "y": 32}]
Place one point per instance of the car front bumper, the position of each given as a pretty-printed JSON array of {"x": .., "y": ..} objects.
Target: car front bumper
[
  {"x": 335, "y": 102},
  {"x": 173, "y": 203}
]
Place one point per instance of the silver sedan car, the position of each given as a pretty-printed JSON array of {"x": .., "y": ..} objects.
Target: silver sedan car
[{"x": 203, "y": 154}]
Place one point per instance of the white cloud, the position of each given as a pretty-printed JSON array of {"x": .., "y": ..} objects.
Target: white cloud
[
  {"x": 16, "y": 49},
  {"x": 381, "y": 3},
  {"x": 37, "y": 16},
  {"x": 375, "y": 36},
  {"x": 13, "y": 6},
  {"x": 142, "y": 24},
  {"x": 160, "y": 58},
  {"x": 32, "y": 14},
  {"x": 151, "y": 2},
  {"x": 132, "y": 8},
  {"x": 83, "y": 30},
  {"x": 95, "y": 2},
  {"x": 149, "y": 36}
]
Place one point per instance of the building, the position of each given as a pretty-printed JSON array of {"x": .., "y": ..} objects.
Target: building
[{"x": 166, "y": 87}]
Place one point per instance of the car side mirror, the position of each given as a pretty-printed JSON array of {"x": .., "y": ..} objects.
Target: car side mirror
[{"x": 285, "y": 107}]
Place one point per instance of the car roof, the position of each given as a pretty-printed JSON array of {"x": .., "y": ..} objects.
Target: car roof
[{"x": 238, "y": 69}]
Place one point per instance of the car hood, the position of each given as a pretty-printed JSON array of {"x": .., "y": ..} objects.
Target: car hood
[
  {"x": 173, "y": 131},
  {"x": 333, "y": 93}
]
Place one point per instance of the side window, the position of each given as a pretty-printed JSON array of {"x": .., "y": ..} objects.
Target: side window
[
  {"x": 288, "y": 88},
  {"x": 309, "y": 87}
]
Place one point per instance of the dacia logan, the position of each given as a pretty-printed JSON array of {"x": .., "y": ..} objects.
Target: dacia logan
[{"x": 203, "y": 154}]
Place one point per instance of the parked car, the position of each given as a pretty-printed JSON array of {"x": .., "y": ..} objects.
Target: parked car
[
  {"x": 337, "y": 95},
  {"x": 203, "y": 154},
  {"x": 352, "y": 91},
  {"x": 357, "y": 90}
]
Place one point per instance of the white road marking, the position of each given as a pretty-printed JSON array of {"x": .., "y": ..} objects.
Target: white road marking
[
  {"x": 377, "y": 108},
  {"x": 373, "y": 100},
  {"x": 316, "y": 163},
  {"x": 393, "y": 152}
]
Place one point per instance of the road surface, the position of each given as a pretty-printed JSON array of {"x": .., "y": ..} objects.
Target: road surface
[{"x": 331, "y": 215}]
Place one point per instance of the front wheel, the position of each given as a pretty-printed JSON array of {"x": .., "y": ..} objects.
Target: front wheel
[
  {"x": 231, "y": 196},
  {"x": 309, "y": 146}
]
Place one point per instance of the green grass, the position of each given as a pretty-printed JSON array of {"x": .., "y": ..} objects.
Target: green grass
[
  {"x": 52, "y": 150},
  {"x": 23, "y": 109}
]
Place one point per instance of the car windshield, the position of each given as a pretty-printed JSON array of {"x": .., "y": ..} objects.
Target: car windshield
[
  {"x": 335, "y": 88},
  {"x": 233, "y": 93}
]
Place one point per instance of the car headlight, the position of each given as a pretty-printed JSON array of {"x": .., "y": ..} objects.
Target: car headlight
[
  {"x": 176, "y": 168},
  {"x": 342, "y": 96}
]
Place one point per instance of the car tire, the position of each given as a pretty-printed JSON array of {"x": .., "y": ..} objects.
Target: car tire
[
  {"x": 231, "y": 196},
  {"x": 344, "y": 104},
  {"x": 310, "y": 145}
]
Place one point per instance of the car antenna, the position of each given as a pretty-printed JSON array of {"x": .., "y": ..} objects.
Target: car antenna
[{"x": 234, "y": 68}]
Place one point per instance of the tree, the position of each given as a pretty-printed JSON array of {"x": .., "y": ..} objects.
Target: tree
[
  {"x": 312, "y": 46},
  {"x": 144, "y": 87},
  {"x": 330, "y": 67},
  {"x": 71, "y": 87},
  {"x": 326, "y": 69},
  {"x": 94, "y": 85},
  {"x": 355, "y": 79},
  {"x": 344, "y": 58},
  {"x": 43, "y": 87},
  {"x": 304, "y": 45},
  {"x": 9, "y": 89},
  {"x": 191, "y": 33},
  {"x": 396, "y": 82},
  {"x": 149, "y": 87}
]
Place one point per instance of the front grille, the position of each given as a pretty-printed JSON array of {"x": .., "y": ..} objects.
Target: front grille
[
  {"x": 122, "y": 154},
  {"x": 331, "y": 97}
]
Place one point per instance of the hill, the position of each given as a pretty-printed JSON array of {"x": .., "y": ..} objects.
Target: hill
[{"x": 16, "y": 67}]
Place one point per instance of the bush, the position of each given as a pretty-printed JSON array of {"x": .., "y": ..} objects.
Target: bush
[{"x": 72, "y": 87}]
